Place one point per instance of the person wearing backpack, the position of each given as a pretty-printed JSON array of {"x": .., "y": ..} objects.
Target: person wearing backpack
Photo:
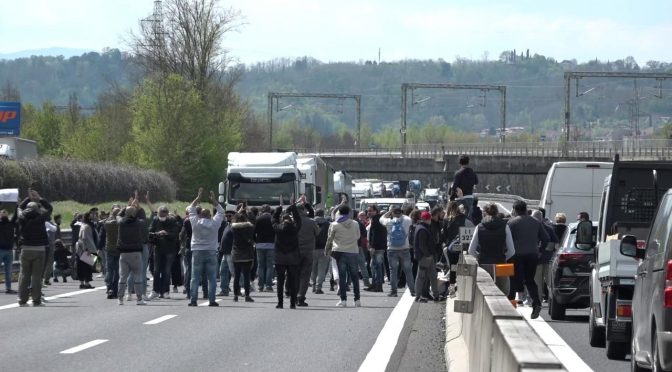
[
  {"x": 320, "y": 261},
  {"x": 398, "y": 249}
]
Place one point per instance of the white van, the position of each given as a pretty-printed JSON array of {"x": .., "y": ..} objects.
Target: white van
[{"x": 574, "y": 186}]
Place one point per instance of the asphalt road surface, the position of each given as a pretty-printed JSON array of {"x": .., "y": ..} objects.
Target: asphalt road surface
[{"x": 97, "y": 334}]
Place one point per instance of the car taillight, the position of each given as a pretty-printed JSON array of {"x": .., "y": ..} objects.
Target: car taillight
[
  {"x": 565, "y": 258},
  {"x": 624, "y": 311},
  {"x": 668, "y": 285}
]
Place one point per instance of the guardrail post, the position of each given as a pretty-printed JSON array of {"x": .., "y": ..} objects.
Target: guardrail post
[{"x": 468, "y": 272}]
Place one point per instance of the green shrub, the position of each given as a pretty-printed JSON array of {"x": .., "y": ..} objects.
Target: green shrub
[{"x": 84, "y": 181}]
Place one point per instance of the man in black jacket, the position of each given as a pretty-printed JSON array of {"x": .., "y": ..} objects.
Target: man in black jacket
[
  {"x": 465, "y": 179},
  {"x": 163, "y": 234},
  {"x": 425, "y": 250},
  {"x": 377, "y": 248},
  {"x": 33, "y": 213},
  {"x": 7, "y": 242}
]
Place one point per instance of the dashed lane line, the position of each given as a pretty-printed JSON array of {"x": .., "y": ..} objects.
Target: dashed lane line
[
  {"x": 565, "y": 354},
  {"x": 84, "y": 346},
  {"x": 380, "y": 354},
  {"x": 159, "y": 319},
  {"x": 62, "y": 295}
]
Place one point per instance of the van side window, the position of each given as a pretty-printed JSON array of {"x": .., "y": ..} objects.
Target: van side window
[{"x": 659, "y": 232}]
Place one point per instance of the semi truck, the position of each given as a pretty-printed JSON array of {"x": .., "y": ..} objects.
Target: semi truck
[
  {"x": 15, "y": 148},
  {"x": 317, "y": 181},
  {"x": 630, "y": 196},
  {"x": 260, "y": 178}
]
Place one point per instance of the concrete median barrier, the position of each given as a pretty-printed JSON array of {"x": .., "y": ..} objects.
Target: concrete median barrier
[{"x": 493, "y": 336}]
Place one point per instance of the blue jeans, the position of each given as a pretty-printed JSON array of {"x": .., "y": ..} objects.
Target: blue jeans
[
  {"x": 145, "y": 264},
  {"x": 6, "y": 258},
  {"x": 112, "y": 273},
  {"x": 347, "y": 264},
  {"x": 401, "y": 258},
  {"x": 203, "y": 261},
  {"x": 361, "y": 263},
  {"x": 378, "y": 267},
  {"x": 265, "y": 267},
  {"x": 225, "y": 272}
]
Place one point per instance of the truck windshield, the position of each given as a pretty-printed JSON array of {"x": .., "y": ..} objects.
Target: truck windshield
[{"x": 260, "y": 193}]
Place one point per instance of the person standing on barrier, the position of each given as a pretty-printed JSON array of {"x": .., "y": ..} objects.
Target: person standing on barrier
[
  {"x": 465, "y": 179},
  {"x": 492, "y": 244},
  {"x": 424, "y": 243},
  {"x": 528, "y": 235}
]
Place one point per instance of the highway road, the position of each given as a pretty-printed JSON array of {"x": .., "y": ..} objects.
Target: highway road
[{"x": 82, "y": 330}]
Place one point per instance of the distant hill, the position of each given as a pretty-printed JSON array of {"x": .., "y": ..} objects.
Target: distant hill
[
  {"x": 535, "y": 91},
  {"x": 53, "y": 51}
]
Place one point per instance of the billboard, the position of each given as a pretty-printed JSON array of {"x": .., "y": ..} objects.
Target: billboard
[{"x": 10, "y": 118}]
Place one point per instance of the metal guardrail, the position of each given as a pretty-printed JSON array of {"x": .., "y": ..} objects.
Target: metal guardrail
[{"x": 658, "y": 149}]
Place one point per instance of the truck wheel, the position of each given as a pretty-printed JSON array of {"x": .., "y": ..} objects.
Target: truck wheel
[
  {"x": 596, "y": 334},
  {"x": 555, "y": 310}
]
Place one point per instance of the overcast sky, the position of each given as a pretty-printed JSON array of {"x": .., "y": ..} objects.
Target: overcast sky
[{"x": 351, "y": 30}]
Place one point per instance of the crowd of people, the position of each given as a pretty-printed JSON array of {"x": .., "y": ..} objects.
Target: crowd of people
[{"x": 285, "y": 250}]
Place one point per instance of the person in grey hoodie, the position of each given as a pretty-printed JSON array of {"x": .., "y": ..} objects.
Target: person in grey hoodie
[
  {"x": 307, "y": 235},
  {"x": 342, "y": 244},
  {"x": 528, "y": 235}
]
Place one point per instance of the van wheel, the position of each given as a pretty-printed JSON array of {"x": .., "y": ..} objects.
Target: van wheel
[
  {"x": 555, "y": 310},
  {"x": 595, "y": 334},
  {"x": 655, "y": 363}
]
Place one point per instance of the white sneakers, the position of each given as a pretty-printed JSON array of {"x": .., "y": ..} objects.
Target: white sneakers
[
  {"x": 153, "y": 296},
  {"x": 341, "y": 304},
  {"x": 120, "y": 301},
  {"x": 141, "y": 303},
  {"x": 129, "y": 297},
  {"x": 167, "y": 295},
  {"x": 358, "y": 303}
]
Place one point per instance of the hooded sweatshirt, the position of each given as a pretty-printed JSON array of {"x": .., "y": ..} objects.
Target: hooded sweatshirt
[
  {"x": 344, "y": 236},
  {"x": 33, "y": 232},
  {"x": 286, "y": 239},
  {"x": 243, "y": 242},
  {"x": 492, "y": 243},
  {"x": 7, "y": 234}
]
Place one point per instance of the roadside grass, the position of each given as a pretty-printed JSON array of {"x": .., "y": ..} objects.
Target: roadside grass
[{"x": 69, "y": 208}]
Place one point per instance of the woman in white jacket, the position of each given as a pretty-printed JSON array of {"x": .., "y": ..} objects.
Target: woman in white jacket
[{"x": 342, "y": 244}]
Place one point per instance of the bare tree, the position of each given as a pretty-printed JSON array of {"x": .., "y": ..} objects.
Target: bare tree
[{"x": 185, "y": 37}]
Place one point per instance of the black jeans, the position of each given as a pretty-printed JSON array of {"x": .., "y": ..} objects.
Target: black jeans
[
  {"x": 291, "y": 273},
  {"x": 525, "y": 266},
  {"x": 244, "y": 269},
  {"x": 163, "y": 263}
]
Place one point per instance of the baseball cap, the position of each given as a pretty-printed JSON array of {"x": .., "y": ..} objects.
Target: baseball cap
[{"x": 425, "y": 216}]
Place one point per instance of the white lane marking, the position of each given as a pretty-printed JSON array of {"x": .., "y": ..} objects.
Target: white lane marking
[
  {"x": 565, "y": 354},
  {"x": 381, "y": 352},
  {"x": 85, "y": 346},
  {"x": 159, "y": 319},
  {"x": 69, "y": 294},
  {"x": 206, "y": 303}
]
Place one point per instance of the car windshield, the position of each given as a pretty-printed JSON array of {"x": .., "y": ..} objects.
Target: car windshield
[{"x": 260, "y": 193}]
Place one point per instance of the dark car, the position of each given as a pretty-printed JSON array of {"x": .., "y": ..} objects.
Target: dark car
[
  {"x": 569, "y": 273},
  {"x": 651, "y": 345}
]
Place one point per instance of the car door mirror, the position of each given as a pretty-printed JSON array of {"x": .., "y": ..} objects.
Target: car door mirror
[
  {"x": 629, "y": 247},
  {"x": 584, "y": 235}
]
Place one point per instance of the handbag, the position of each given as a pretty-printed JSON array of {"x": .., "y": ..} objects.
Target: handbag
[{"x": 455, "y": 246}]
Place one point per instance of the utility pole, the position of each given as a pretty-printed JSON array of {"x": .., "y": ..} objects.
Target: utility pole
[
  {"x": 609, "y": 75},
  {"x": 484, "y": 88},
  {"x": 276, "y": 95}
]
